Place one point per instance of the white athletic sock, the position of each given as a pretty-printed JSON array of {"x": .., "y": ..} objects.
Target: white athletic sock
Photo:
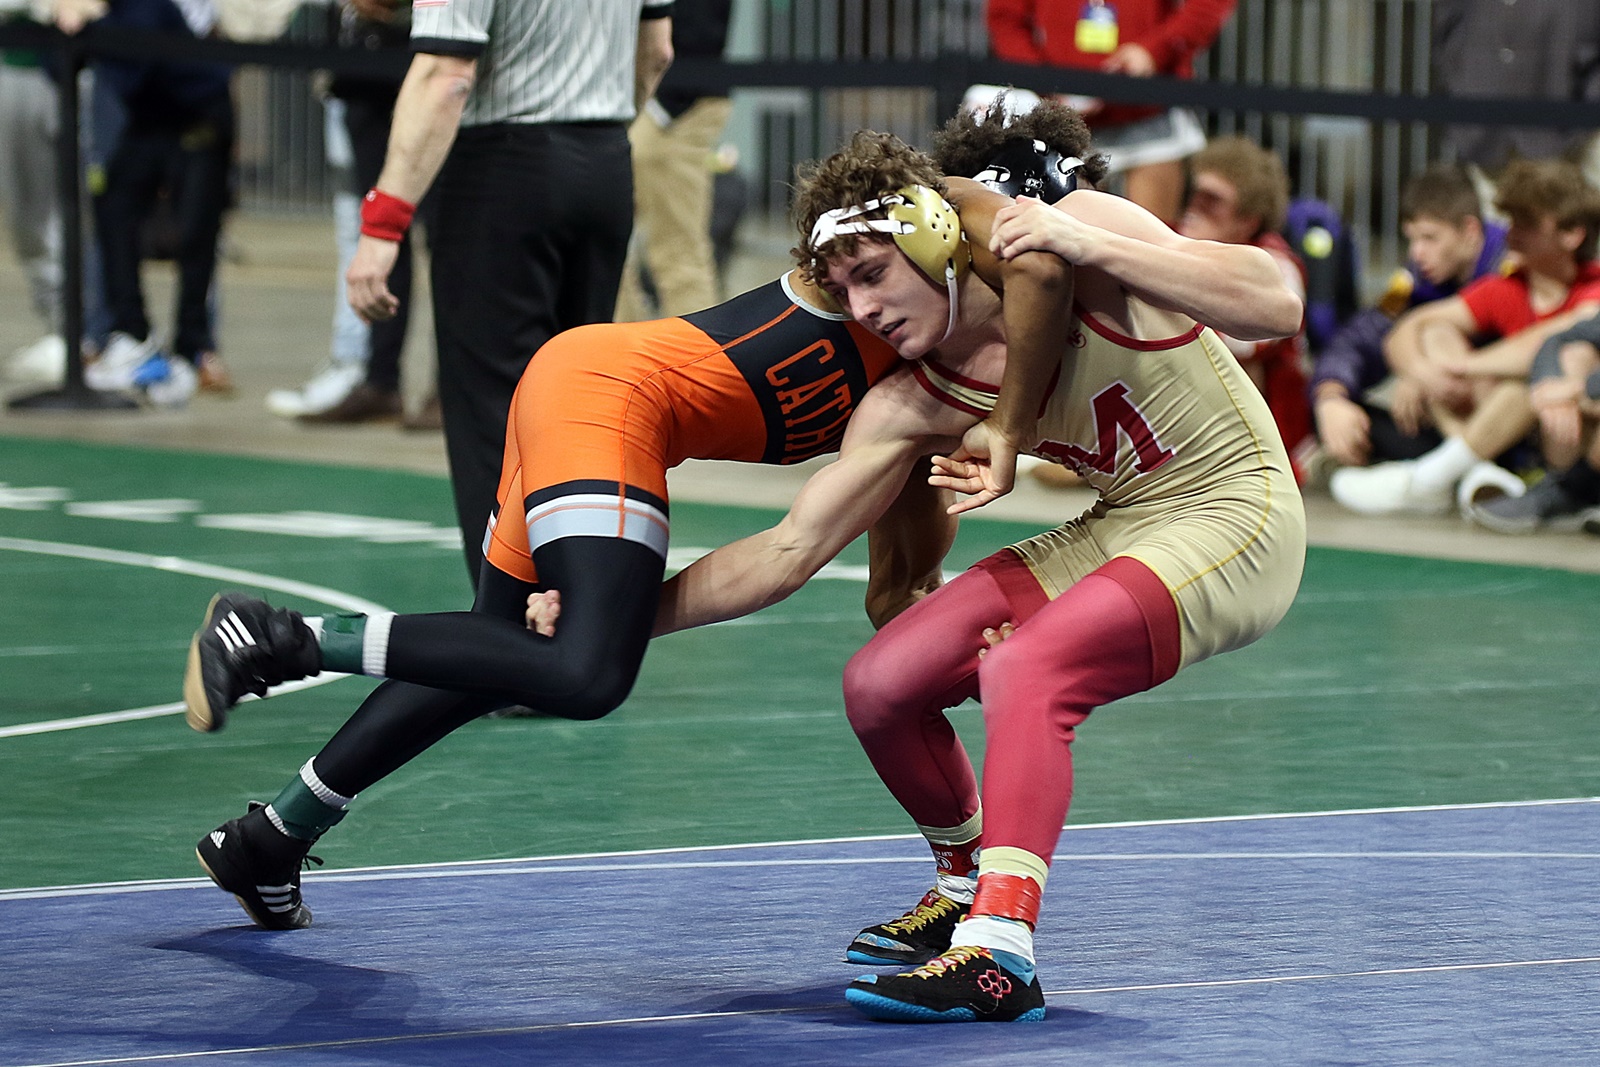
[
  {"x": 1438, "y": 470},
  {"x": 960, "y": 888},
  {"x": 993, "y": 932}
]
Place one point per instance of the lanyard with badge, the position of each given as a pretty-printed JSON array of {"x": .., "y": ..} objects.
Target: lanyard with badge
[{"x": 1096, "y": 31}]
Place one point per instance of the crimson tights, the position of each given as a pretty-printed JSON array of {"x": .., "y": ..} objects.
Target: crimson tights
[{"x": 1112, "y": 634}]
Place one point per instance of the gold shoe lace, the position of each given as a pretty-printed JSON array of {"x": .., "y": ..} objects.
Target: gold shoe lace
[{"x": 923, "y": 914}]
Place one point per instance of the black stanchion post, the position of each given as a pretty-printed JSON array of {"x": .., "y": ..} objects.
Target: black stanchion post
[
  {"x": 954, "y": 75},
  {"x": 74, "y": 393}
]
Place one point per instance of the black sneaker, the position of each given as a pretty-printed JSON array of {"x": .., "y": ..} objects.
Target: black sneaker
[
  {"x": 964, "y": 985},
  {"x": 916, "y": 937},
  {"x": 243, "y": 646},
  {"x": 1545, "y": 505},
  {"x": 260, "y": 865}
]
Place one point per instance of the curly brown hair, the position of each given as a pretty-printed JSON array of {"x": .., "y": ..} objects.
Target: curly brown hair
[
  {"x": 1534, "y": 189},
  {"x": 872, "y": 165},
  {"x": 1255, "y": 173},
  {"x": 967, "y": 143}
]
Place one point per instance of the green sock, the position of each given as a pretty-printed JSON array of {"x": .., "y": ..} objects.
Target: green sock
[
  {"x": 342, "y": 641},
  {"x": 303, "y": 815}
]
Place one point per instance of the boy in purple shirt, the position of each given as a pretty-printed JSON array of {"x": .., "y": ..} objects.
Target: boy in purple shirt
[{"x": 1448, "y": 244}]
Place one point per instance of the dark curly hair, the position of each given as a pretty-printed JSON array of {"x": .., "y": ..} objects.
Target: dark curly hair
[
  {"x": 872, "y": 165},
  {"x": 968, "y": 142}
]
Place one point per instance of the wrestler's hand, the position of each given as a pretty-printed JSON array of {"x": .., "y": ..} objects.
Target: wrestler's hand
[
  {"x": 367, "y": 280},
  {"x": 543, "y": 611},
  {"x": 994, "y": 636},
  {"x": 1029, "y": 225},
  {"x": 984, "y": 468}
]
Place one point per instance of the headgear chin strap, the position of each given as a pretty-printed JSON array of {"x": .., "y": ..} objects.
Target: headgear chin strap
[
  {"x": 1029, "y": 167},
  {"x": 923, "y": 225}
]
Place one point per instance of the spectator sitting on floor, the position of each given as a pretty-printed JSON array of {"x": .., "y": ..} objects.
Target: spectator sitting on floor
[
  {"x": 1239, "y": 194},
  {"x": 1448, "y": 245},
  {"x": 1564, "y": 389},
  {"x": 1463, "y": 361}
]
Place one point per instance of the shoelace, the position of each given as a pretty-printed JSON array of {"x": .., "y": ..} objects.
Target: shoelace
[
  {"x": 308, "y": 861},
  {"x": 922, "y": 915},
  {"x": 952, "y": 959}
]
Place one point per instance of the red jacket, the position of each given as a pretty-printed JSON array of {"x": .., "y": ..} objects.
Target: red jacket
[{"x": 1172, "y": 31}]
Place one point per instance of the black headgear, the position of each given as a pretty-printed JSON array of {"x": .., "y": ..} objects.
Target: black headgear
[{"x": 1027, "y": 167}]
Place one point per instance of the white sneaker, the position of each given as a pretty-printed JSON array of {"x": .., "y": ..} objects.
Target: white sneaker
[
  {"x": 1386, "y": 489},
  {"x": 323, "y": 392},
  {"x": 1485, "y": 482},
  {"x": 167, "y": 381},
  {"x": 118, "y": 362},
  {"x": 44, "y": 362}
]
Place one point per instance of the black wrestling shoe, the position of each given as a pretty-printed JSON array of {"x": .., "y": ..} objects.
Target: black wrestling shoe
[
  {"x": 244, "y": 645},
  {"x": 916, "y": 937},
  {"x": 260, "y": 865},
  {"x": 964, "y": 985}
]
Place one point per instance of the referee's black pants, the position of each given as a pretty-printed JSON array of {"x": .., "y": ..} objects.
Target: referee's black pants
[{"x": 533, "y": 227}]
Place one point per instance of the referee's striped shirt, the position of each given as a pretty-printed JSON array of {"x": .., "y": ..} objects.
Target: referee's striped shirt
[{"x": 540, "y": 60}]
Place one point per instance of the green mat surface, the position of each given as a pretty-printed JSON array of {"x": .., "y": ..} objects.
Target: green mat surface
[{"x": 1393, "y": 681}]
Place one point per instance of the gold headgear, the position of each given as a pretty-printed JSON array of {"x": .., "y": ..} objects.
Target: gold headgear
[{"x": 923, "y": 225}]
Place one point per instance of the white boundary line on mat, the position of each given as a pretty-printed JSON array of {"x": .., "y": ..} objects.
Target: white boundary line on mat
[{"x": 177, "y": 565}]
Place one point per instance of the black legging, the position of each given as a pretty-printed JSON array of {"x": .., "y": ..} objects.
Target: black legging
[
  {"x": 447, "y": 669},
  {"x": 193, "y": 155}
]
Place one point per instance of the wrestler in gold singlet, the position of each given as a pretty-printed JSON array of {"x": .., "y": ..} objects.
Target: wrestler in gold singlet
[{"x": 1194, "y": 480}]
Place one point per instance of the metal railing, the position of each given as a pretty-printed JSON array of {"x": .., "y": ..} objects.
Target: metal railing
[
  {"x": 1358, "y": 165},
  {"x": 882, "y": 48},
  {"x": 1338, "y": 87}
]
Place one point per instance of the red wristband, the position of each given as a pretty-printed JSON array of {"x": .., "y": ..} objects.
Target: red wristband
[{"x": 385, "y": 217}]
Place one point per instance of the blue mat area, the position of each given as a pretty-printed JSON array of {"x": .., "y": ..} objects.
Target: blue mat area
[{"x": 1451, "y": 936}]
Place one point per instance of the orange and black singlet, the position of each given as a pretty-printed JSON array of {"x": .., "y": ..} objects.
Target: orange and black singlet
[{"x": 604, "y": 411}]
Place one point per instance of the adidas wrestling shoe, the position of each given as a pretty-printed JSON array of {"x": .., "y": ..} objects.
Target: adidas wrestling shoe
[
  {"x": 259, "y": 865},
  {"x": 243, "y": 646},
  {"x": 963, "y": 985},
  {"x": 916, "y": 937}
]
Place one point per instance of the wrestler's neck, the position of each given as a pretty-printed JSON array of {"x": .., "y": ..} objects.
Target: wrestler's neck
[{"x": 976, "y": 347}]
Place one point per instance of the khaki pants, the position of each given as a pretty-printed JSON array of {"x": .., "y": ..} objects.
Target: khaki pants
[{"x": 672, "y": 212}]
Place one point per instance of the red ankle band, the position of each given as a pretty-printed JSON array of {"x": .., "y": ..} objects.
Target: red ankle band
[
  {"x": 385, "y": 217},
  {"x": 1008, "y": 896}
]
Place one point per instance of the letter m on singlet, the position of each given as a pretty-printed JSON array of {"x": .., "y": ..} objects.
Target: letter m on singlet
[{"x": 1113, "y": 411}]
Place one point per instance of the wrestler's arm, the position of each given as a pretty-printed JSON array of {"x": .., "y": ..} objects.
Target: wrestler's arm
[
  {"x": 1036, "y": 292},
  {"x": 885, "y": 438},
  {"x": 906, "y": 549},
  {"x": 1233, "y": 288}
]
